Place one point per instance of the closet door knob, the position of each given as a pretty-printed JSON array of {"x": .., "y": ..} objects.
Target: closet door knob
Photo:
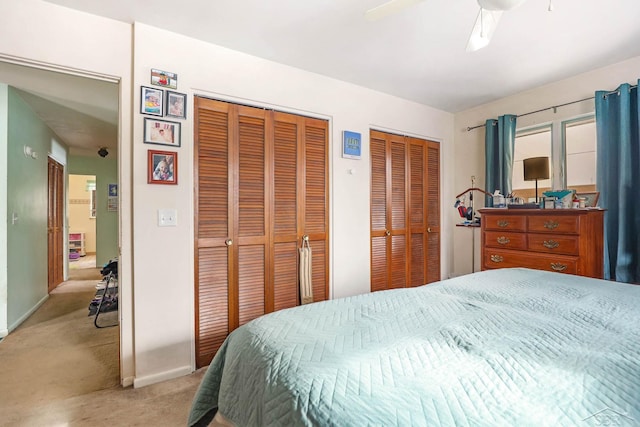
[
  {"x": 228, "y": 242},
  {"x": 387, "y": 233},
  {"x": 428, "y": 229}
]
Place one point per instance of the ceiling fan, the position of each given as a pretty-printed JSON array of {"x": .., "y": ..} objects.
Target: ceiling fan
[{"x": 488, "y": 17}]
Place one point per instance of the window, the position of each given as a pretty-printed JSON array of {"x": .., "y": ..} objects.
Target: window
[
  {"x": 573, "y": 141},
  {"x": 579, "y": 138},
  {"x": 533, "y": 142}
]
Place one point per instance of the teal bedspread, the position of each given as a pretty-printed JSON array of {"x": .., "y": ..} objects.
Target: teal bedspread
[{"x": 504, "y": 347}]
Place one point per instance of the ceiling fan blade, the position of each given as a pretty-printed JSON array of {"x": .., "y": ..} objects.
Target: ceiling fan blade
[
  {"x": 483, "y": 29},
  {"x": 388, "y": 8}
]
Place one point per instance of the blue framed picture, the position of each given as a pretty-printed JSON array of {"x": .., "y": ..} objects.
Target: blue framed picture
[{"x": 351, "y": 145}]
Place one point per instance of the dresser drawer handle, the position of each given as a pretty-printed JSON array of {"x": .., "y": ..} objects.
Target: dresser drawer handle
[
  {"x": 550, "y": 244},
  {"x": 556, "y": 266},
  {"x": 503, "y": 240},
  {"x": 551, "y": 225},
  {"x": 497, "y": 258},
  {"x": 503, "y": 223}
]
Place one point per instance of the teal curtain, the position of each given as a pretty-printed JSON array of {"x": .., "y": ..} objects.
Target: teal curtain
[
  {"x": 618, "y": 180},
  {"x": 500, "y": 136}
]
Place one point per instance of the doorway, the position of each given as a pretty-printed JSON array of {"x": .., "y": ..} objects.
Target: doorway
[
  {"x": 82, "y": 214},
  {"x": 70, "y": 129}
]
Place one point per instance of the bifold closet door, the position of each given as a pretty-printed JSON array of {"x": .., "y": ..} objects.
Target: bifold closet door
[
  {"x": 262, "y": 184},
  {"x": 300, "y": 205},
  {"x": 404, "y": 226}
]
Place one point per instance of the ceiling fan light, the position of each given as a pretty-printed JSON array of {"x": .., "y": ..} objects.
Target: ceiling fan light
[
  {"x": 477, "y": 42},
  {"x": 500, "y": 4}
]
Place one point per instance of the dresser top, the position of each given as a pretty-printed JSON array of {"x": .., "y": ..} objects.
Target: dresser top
[{"x": 568, "y": 211}]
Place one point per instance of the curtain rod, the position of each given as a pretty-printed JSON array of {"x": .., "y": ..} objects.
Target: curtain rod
[{"x": 554, "y": 107}]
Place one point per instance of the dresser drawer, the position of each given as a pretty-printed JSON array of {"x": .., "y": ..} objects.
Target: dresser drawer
[
  {"x": 554, "y": 224},
  {"x": 554, "y": 244},
  {"x": 505, "y": 240},
  {"x": 496, "y": 258},
  {"x": 505, "y": 222}
]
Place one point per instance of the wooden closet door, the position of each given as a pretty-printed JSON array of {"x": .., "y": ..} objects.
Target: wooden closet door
[
  {"x": 262, "y": 184},
  {"x": 213, "y": 226},
  {"x": 300, "y": 205},
  {"x": 433, "y": 212},
  {"x": 250, "y": 202},
  {"x": 379, "y": 234},
  {"x": 404, "y": 211}
]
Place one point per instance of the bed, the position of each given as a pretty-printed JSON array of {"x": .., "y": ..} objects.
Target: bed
[{"x": 500, "y": 347}]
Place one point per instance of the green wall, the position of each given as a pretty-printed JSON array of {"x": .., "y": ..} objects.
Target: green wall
[
  {"x": 27, "y": 199},
  {"x": 4, "y": 100},
  {"x": 106, "y": 172}
]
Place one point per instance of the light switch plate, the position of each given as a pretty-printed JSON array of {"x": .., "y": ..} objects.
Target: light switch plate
[{"x": 167, "y": 217}]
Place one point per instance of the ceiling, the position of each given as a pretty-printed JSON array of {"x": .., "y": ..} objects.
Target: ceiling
[
  {"x": 417, "y": 54},
  {"x": 82, "y": 112}
]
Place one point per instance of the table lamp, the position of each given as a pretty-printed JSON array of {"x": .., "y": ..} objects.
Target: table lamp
[{"x": 536, "y": 168}]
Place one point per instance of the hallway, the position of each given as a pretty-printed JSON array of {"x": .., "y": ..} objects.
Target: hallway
[{"x": 58, "y": 369}]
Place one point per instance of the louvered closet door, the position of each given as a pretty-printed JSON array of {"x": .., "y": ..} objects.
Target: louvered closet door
[
  {"x": 403, "y": 248},
  {"x": 213, "y": 226},
  {"x": 433, "y": 212},
  {"x": 262, "y": 185},
  {"x": 379, "y": 259},
  {"x": 301, "y": 205}
]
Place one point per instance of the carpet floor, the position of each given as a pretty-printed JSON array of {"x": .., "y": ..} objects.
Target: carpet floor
[{"x": 58, "y": 369}]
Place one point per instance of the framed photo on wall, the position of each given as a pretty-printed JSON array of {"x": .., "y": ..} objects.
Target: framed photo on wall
[
  {"x": 164, "y": 79},
  {"x": 176, "y": 105},
  {"x": 351, "y": 145},
  {"x": 162, "y": 167},
  {"x": 161, "y": 132},
  {"x": 151, "y": 101}
]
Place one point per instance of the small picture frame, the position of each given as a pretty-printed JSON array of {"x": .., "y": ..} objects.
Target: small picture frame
[
  {"x": 591, "y": 198},
  {"x": 176, "y": 105},
  {"x": 162, "y": 167},
  {"x": 351, "y": 145},
  {"x": 164, "y": 79},
  {"x": 161, "y": 132},
  {"x": 151, "y": 101}
]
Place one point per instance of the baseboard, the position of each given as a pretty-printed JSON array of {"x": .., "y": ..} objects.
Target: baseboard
[
  {"x": 28, "y": 313},
  {"x": 4, "y": 333},
  {"x": 126, "y": 382},
  {"x": 163, "y": 376}
]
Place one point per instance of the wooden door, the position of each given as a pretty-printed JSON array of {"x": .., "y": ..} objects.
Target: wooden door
[
  {"x": 261, "y": 184},
  {"x": 405, "y": 245},
  {"x": 55, "y": 224}
]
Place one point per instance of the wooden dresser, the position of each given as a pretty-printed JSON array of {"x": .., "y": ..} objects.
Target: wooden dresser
[{"x": 562, "y": 240}]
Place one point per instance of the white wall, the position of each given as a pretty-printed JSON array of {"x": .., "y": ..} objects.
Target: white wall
[
  {"x": 41, "y": 34},
  {"x": 469, "y": 146},
  {"x": 164, "y": 326}
]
